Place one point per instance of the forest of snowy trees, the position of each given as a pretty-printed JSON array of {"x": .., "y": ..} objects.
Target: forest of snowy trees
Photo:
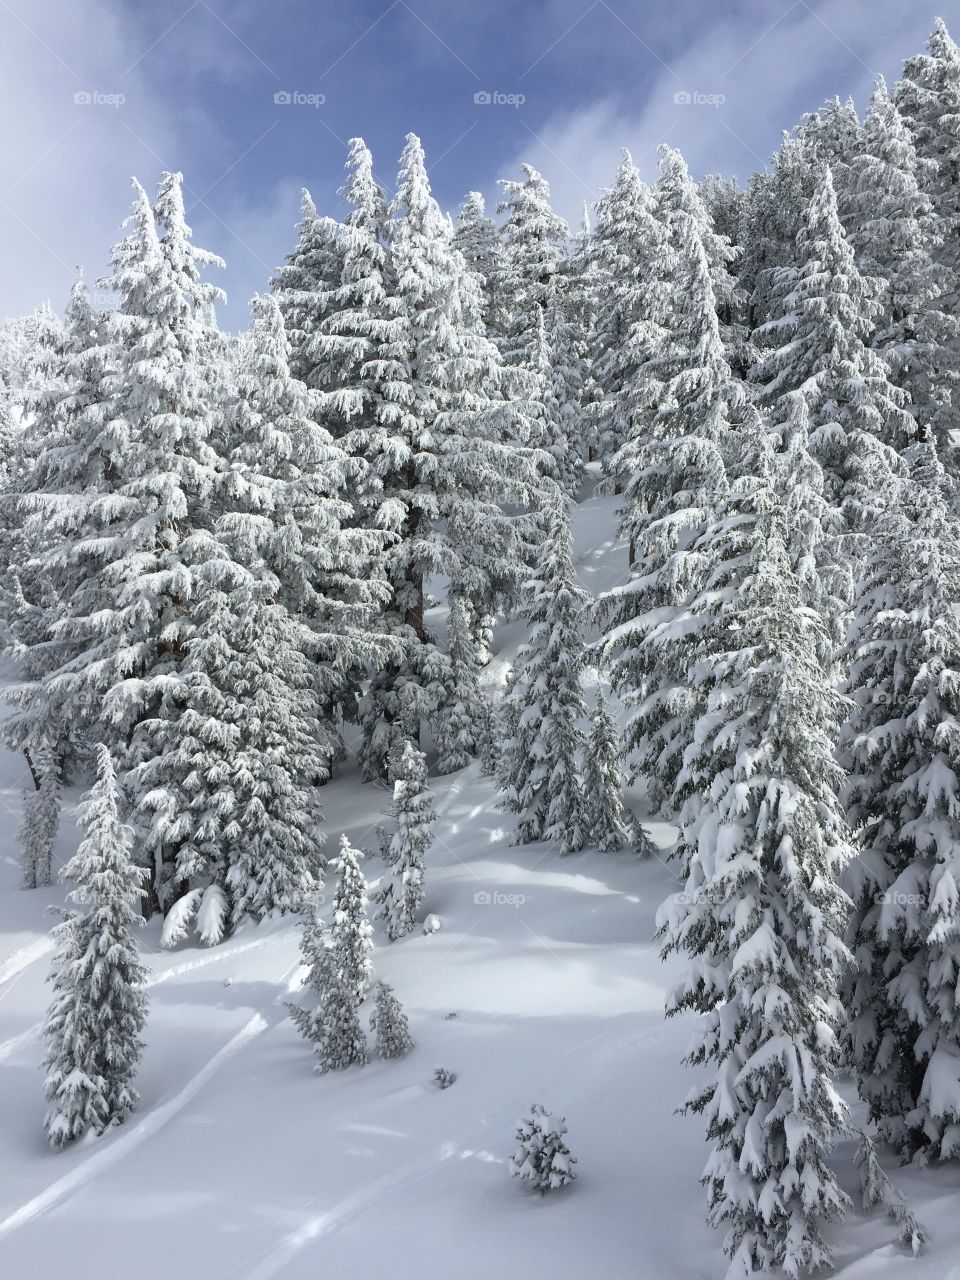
[{"x": 222, "y": 551}]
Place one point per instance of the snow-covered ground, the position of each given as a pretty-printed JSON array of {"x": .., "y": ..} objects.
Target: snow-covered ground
[{"x": 543, "y": 985}]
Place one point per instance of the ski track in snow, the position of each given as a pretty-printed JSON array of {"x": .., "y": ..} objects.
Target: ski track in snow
[
  {"x": 8, "y": 1047},
  {"x": 24, "y": 957},
  {"x": 153, "y": 1122},
  {"x": 315, "y": 1227}
]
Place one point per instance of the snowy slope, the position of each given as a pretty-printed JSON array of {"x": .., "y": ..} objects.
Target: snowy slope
[{"x": 544, "y": 984}]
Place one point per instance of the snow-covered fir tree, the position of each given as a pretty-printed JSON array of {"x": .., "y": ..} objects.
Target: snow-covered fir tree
[
  {"x": 438, "y": 461},
  {"x": 146, "y": 524},
  {"x": 66, "y": 473},
  {"x": 896, "y": 237},
  {"x": 93, "y": 1029},
  {"x": 928, "y": 97},
  {"x": 762, "y": 916},
  {"x": 353, "y": 364},
  {"x": 539, "y": 771},
  {"x": 352, "y": 933},
  {"x": 610, "y": 824},
  {"x": 542, "y": 1157},
  {"x": 304, "y": 286},
  {"x": 401, "y": 894},
  {"x": 674, "y": 461},
  {"x": 41, "y": 821},
  {"x": 389, "y": 1024},
  {"x": 823, "y": 319},
  {"x": 332, "y": 1022},
  {"x": 477, "y": 240},
  {"x": 461, "y": 717},
  {"x": 534, "y": 244},
  {"x": 628, "y": 252},
  {"x": 903, "y": 753}
]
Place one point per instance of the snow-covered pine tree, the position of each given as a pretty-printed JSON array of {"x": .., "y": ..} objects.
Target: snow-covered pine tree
[
  {"x": 389, "y": 1024},
  {"x": 903, "y": 753},
  {"x": 543, "y": 1158},
  {"x": 477, "y": 240},
  {"x": 350, "y": 349},
  {"x": 461, "y": 718},
  {"x": 286, "y": 510},
  {"x": 679, "y": 205},
  {"x": 400, "y": 896},
  {"x": 823, "y": 318},
  {"x": 352, "y": 934},
  {"x": 276, "y": 652},
  {"x": 41, "y": 821},
  {"x": 304, "y": 287},
  {"x": 928, "y": 97},
  {"x": 610, "y": 824},
  {"x": 628, "y": 252},
  {"x": 65, "y": 475},
  {"x": 437, "y": 457},
  {"x": 534, "y": 244},
  {"x": 332, "y": 1023},
  {"x": 540, "y": 762},
  {"x": 674, "y": 461},
  {"x": 833, "y": 137},
  {"x": 762, "y": 916},
  {"x": 147, "y": 531},
  {"x": 895, "y": 234},
  {"x": 94, "y": 1025}
]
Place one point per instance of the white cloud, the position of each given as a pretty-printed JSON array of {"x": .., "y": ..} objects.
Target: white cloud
[{"x": 767, "y": 75}]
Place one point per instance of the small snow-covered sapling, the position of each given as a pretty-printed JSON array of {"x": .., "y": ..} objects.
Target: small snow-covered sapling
[
  {"x": 443, "y": 1078},
  {"x": 543, "y": 1158}
]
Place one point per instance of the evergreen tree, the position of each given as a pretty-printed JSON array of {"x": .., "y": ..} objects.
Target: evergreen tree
[
  {"x": 823, "y": 320},
  {"x": 146, "y": 532},
  {"x": 534, "y": 244},
  {"x": 903, "y": 752},
  {"x": 304, "y": 287},
  {"x": 628, "y": 254},
  {"x": 542, "y": 1157},
  {"x": 400, "y": 897},
  {"x": 352, "y": 359},
  {"x": 437, "y": 460},
  {"x": 352, "y": 934},
  {"x": 67, "y": 468},
  {"x": 762, "y": 916},
  {"x": 476, "y": 239},
  {"x": 895, "y": 236},
  {"x": 674, "y": 458},
  {"x": 388, "y": 1022},
  {"x": 94, "y": 1024},
  {"x": 928, "y": 97},
  {"x": 41, "y": 821},
  {"x": 333, "y": 1023},
  {"x": 539, "y": 770},
  {"x": 460, "y": 723},
  {"x": 609, "y": 822}
]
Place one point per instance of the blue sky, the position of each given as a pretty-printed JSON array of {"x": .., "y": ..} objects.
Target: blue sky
[{"x": 95, "y": 92}]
